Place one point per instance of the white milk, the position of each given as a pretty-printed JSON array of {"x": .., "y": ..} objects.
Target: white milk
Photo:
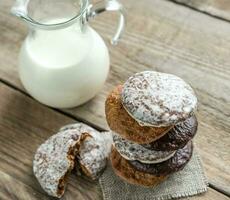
[{"x": 64, "y": 68}]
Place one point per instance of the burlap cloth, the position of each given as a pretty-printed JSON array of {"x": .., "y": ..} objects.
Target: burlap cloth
[{"x": 188, "y": 182}]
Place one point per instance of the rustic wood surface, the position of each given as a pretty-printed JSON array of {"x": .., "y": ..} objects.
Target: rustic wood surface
[
  {"x": 216, "y": 8},
  {"x": 24, "y": 125},
  {"x": 176, "y": 39}
]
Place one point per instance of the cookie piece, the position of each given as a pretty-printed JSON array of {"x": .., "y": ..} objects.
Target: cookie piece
[
  {"x": 134, "y": 151},
  {"x": 130, "y": 174},
  {"x": 158, "y": 99},
  {"x": 54, "y": 160},
  {"x": 177, "y": 137},
  {"x": 174, "y": 164},
  {"x": 73, "y": 144},
  {"x": 122, "y": 123},
  {"x": 93, "y": 151},
  {"x": 93, "y": 155}
]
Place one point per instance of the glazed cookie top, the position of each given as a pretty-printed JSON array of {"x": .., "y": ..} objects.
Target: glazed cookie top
[
  {"x": 158, "y": 99},
  {"x": 134, "y": 151}
]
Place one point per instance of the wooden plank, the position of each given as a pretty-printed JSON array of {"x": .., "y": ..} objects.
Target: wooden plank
[
  {"x": 24, "y": 124},
  {"x": 210, "y": 195},
  {"x": 181, "y": 41},
  {"x": 10, "y": 188},
  {"x": 218, "y": 8}
]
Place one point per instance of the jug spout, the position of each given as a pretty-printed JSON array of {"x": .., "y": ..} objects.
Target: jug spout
[{"x": 19, "y": 9}]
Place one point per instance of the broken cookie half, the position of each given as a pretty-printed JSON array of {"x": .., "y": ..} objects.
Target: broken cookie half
[
  {"x": 57, "y": 156},
  {"x": 93, "y": 151}
]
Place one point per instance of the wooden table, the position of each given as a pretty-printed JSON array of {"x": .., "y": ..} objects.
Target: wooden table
[{"x": 188, "y": 38}]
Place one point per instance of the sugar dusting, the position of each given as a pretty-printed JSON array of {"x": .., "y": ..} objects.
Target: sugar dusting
[
  {"x": 94, "y": 150},
  {"x": 51, "y": 162},
  {"x": 158, "y": 99},
  {"x": 133, "y": 151},
  {"x": 55, "y": 158}
]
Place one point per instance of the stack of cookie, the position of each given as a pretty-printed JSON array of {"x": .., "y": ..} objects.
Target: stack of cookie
[{"x": 152, "y": 117}]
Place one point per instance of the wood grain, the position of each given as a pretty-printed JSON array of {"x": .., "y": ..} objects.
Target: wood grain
[
  {"x": 218, "y": 8},
  {"x": 24, "y": 125},
  {"x": 11, "y": 188},
  {"x": 165, "y": 37}
]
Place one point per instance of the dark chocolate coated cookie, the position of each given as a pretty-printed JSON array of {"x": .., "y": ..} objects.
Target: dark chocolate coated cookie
[
  {"x": 177, "y": 137},
  {"x": 130, "y": 174},
  {"x": 174, "y": 164}
]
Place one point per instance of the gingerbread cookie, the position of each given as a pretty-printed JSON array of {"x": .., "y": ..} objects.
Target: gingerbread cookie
[
  {"x": 143, "y": 174},
  {"x": 54, "y": 160},
  {"x": 134, "y": 151},
  {"x": 174, "y": 164},
  {"x": 122, "y": 123},
  {"x": 158, "y": 99},
  {"x": 72, "y": 145},
  {"x": 93, "y": 155},
  {"x": 177, "y": 137},
  {"x": 93, "y": 151},
  {"x": 130, "y": 174}
]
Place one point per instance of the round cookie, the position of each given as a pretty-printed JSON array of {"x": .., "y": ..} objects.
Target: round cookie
[
  {"x": 134, "y": 151},
  {"x": 130, "y": 174},
  {"x": 122, "y": 123},
  {"x": 139, "y": 173},
  {"x": 174, "y": 164},
  {"x": 158, "y": 99},
  {"x": 177, "y": 137},
  {"x": 93, "y": 151}
]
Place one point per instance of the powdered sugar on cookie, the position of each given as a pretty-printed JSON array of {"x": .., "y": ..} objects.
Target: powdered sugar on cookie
[
  {"x": 93, "y": 156},
  {"x": 94, "y": 150},
  {"x": 53, "y": 161},
  {"x": 134, "y": 151},
  {"x": 57, "y": 156},
  {"x": 158, "y": 99}
]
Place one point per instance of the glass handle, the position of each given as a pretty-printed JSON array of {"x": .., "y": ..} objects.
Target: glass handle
[
  {"x": 109, "y": 5},
  {"x": 19, "y": 8}
]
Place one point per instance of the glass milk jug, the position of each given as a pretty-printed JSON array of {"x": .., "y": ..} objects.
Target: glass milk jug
[{"x": 63, "y": 62}]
